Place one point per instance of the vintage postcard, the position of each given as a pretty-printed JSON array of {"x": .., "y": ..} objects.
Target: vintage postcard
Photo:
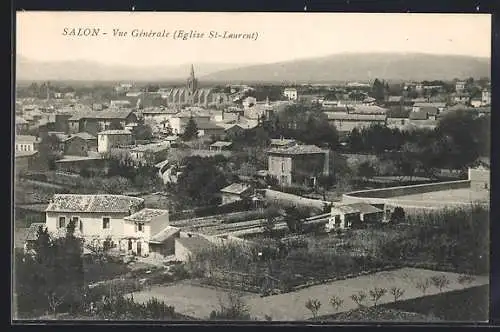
[{"x": 273, "y": 167}]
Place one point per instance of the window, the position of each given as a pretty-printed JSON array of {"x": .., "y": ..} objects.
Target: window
[
  {"x": 140, "y": 227},
  {"x": 129, "y": 244},
  {"x": 62, "y": 222},
  {"x": 105, "y": 223},
  {"x": 75, "y": 221},
  {"x": 282, "y": 167}
]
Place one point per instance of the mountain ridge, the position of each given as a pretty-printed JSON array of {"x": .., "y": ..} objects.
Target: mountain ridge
[{"x": 337, "y": 67}]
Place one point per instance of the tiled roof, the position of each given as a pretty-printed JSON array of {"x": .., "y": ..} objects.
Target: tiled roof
[
  {"x": 164, "y": 234},
  {"x": 26, "y": 139},
  {"x": 394, "y": 99},
  {"x": 93, "y": 203},
  {"x": 357, "y": 208},
  {"x": 25, "y": 153},
  {"x": 32, "y": 233},
  {"x": 194, "y": 244},
  {"x": 209, "y": 125},
  {"x": 429, "y": 104},
  {"x": 83, "y": 135},
  {"x": 297, "y": 149},
  {"x": 153, "y": 147},
  {"x": 146, "y": 215},
  {"x": 282, "y": 141},
  {"x": 365, "y": 208},
  {"x": 113, "y": 114},
  {"x": 235, "y": 188},
  {"x": 355, "y": 117},
  {"x": 366, "y": 109},
  {"x": 115, "y": 132},
  {"x": 221, "y": 144}
]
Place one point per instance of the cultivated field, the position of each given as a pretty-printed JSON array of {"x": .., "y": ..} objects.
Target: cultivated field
[{"x": 200, "y": 301}]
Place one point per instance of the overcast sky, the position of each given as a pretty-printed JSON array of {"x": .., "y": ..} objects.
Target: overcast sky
[{"x": 282, "y": 36}]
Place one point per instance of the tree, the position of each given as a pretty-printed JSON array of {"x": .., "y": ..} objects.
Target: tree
[
  {"x": 336, "y": 302},
  {"x": 233, "y": 307},
  {"x": 313, "y": 305},
  {"x": 191, "y": 130},
  {"x": 396, "y": 292},
  {"x": 359, "y": 298},
  {"x": 398, "y": 215},
  {"x": 376, "y": 294},
  {"x": 440, "y": 281},
  {"x": 142, "y": 132},
  {"x": 423, "y": 285},
  {"x": 269, "y": 223},
  {"x": 366, "y": 170},
  {"x": 378, "y": 90},
  {"x": 115, "y": 185},
  {"x": 295, "y": 218}
]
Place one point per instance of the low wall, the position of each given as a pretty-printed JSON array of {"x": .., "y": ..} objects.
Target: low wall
[
  {"x": 410, "y": 190},
  {"x": 285, "y": 199},
  {"x": 388, "y": 196}
]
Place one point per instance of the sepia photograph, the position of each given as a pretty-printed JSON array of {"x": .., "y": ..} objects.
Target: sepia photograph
[{"x": 260, "y": 167}]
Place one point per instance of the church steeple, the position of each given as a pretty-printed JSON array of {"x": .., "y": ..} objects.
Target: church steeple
[{"x": 192, "y": 82}]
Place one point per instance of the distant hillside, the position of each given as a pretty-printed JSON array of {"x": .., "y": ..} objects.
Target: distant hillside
[
  {"x": 31, "y": 70},
  {"x": 353, "y": 67},
  {"x": 335, "y": 68}
]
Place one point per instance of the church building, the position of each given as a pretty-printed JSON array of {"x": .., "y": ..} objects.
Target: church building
[{"x": 192, "y": 95}]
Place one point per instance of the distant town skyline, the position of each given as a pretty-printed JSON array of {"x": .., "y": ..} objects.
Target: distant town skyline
[{"x": 282, "y": 36}]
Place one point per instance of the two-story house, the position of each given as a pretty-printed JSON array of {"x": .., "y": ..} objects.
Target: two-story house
[
  {"x": 96, "y": 121},
  {"x": 109, "y": 139},
  {"x": 96, "y": 218},
  {"x": 26, "y": 143},
  {"x": 298, "y": 164}
]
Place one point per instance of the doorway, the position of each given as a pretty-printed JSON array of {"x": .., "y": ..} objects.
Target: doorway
[{"x": 139, "y": 249}]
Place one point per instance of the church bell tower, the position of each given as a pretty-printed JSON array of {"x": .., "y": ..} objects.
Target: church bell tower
[{"x": 192, "y": 85}]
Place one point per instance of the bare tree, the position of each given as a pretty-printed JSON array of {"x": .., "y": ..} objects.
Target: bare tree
[
  {"x": 359, "y": 298},
  {"x": 465, "y": 279},
  {"x": 423, "y": 285},
  {"x": 376, "y": 294},
  {"x": 313, "y": 305},
  {"x": 397, "y": 293},
  {"x": 440, "y": 281},
  {"x": 336, "y": 302}
]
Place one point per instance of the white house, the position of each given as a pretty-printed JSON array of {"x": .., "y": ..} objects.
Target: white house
[
  {"x": 486, "y": 97},
  {"x": 349, "y": 215},
  {"x": 108, "y": 139},
  {"x": 291, "y": 93},
  {"x": 460, "y": 86},
  {"x": 97, "y": 217},
  {"x": 26, "y": 143}
]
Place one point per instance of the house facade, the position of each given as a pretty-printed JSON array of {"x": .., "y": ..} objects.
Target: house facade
[
  {"x": 97, "y": 121},
  {"x": 291, "y": 93},
  {"x": 235, "y": 192},
  {"x": 80, "y": 144},
  {"x": 347, "y": 122},
  {"x": 299, "y": 164},
  {"x": 98, "y": 217},
  {"x": 108, "y": 139},
  {"x": 26, "y": 143},
  {"x": 353, "y": 215}
]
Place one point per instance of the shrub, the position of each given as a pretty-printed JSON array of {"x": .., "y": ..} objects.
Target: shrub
[
  {"x": 336, "y": 302},
  {"x": 440, "y": 281},
  {"x": 376, "y": 294},
  {"x": 313, "y": 305},
  {"x": 359, "y": 298},
  {"x": 396, "y": 292}
]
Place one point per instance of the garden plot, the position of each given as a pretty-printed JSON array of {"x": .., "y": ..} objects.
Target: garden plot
[{"x": 199, "y": 301}]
